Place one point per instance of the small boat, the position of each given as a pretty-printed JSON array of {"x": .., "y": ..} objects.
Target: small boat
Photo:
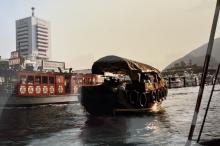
[
  {"x": 190, "y": 79},
  {"x": 128, "y": 86},
  {"x": 175, "y": 82}
]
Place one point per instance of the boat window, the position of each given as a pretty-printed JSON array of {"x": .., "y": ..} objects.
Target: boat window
[
  {"x": 37, "y": 79},
  {"x": 30, "y": 79},
  {"x": 83, "y": 81},
  {"x": 80, "y": 81},
  {"x": 23, "y": 79},
  {"x": 51, "y": 80},
  {"x": 155, "y": 78},
  {"x": 151, "y": 78},
  {"x": 89, "y": 80},
  {"x": 93, "y": 80},
  {"x": 44, "y": 79},
  {"x": 146, "y": 78},
  {"x": 172, "y": 78}
]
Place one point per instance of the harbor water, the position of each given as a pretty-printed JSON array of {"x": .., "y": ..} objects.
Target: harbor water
[{"x": 67, "y": 125}]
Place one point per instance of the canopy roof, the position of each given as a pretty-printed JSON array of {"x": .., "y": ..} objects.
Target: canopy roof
[{"x": 119, "y": 65}]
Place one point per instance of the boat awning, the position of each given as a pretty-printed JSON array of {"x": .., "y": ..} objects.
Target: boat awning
[{"x": 119, "y": 65}]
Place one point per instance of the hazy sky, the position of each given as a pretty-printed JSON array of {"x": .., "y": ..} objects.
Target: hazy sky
[{"x": 155, "y": 32}]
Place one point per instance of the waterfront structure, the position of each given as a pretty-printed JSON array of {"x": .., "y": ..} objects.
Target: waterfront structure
[{"x": 33, "y": 38}]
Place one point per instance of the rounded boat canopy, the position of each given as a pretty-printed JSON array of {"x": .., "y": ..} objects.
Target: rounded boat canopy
[{"x": 119, "y": 65}]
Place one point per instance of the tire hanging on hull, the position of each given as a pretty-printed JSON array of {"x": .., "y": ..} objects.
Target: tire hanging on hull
[
  {"x": 157, "y": 96},
  {"x": 133, "y": 97},
  {"x": 142, "y": 100},
  {"x": 153, "y": 97}
]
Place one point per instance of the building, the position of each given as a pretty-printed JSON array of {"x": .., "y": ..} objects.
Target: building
[
  {"x": 33, "y": 38},
  {"x": 4, "y": 65},
  {"x": 15, "y": 60},
  {"x": 33, "y": 46}
]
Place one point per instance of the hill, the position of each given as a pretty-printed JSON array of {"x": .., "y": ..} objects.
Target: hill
[{"x": 197, "y": 56}]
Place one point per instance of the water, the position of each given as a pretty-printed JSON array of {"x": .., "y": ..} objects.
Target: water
[{"x": 69, "y": 125}]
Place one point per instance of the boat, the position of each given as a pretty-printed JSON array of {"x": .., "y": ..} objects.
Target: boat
[
  {"x": 128, "y": 86},
  {"x": 190, "y": 79},
  {"x": 175, "y": 82},
  {"x": 27, "y": 88}
]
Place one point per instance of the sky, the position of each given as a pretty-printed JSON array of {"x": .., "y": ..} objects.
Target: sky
[{"x": 155, "y": 32}]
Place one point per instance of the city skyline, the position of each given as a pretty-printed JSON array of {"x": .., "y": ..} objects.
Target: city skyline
[{"x": 152, "y": 32}]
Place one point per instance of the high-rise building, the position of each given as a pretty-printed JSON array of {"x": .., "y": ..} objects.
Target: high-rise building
[{"x": 33, "y": 38}]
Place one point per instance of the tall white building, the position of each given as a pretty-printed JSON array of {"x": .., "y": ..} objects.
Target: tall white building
[{"x": 33, "y": 38}]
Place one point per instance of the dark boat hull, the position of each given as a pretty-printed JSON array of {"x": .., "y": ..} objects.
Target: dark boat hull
[
  {"x": 98, "y": 100},
  {"x": 106, "y": 100}
]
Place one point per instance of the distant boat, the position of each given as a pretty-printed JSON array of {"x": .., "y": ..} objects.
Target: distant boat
[
  {"x": 190, "y": 79},
  {"x": 130, "y": 86},
  {"x": 175, "y": 82}
]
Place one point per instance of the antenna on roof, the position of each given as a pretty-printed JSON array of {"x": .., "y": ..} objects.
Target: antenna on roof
[{"x": 32, "y": 11}]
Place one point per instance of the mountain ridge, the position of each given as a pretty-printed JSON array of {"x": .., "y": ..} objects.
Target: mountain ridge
[{"x": 197, "y": 56}]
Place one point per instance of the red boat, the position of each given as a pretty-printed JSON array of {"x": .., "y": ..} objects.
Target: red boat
[
  {"x": 34, "y": 88},
  {"x": 85, "y": 80}
]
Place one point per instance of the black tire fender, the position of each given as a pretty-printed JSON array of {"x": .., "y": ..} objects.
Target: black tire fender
[
  {"x": 142, "y": 100},
  {"x": 153, "y": 96},
  {"x": 133, "y": 96}
]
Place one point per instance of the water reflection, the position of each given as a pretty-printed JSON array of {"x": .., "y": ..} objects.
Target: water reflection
[
  {"x": 147, "y": 129},
  {"x": 123, "y": 130},
  {"x": 49, "y": 125},
  {"x": 104, "y": 130},
  {"x": 18, "y": 126}
]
